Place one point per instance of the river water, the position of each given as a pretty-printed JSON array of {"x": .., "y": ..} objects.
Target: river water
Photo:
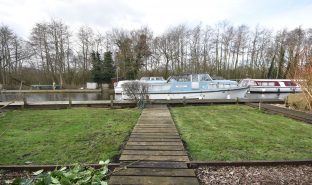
[
  {"x": 102, "y": 96},
  {"x": 54, "y": 96}
]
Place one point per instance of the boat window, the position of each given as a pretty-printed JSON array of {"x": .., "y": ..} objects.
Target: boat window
[
  {"x": 253, "y": 83},
  {"x": 245, "y": 83},
  {"x": 264, "y": 83},
  {"x": 205, "y": 77},
  {"x": 183, "y": 78},
  {"x": 289, "y": 83},
  {"x": 271, "y": 84},
  {"x": 195, "y": 78}
]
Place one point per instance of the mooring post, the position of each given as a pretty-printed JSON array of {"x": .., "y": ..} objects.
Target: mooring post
[
  {"x": 237, "y": 100},
  {"x": 147, "y": 99},
  {"x": 69, "y": 102},
  {"x": 286, "y": 102},
  {"x": 111, "y": 101},
  {"x": 184, "y": 100},
  {"x": 260, "y": 104},
  {"x": 24, "y": 102}
]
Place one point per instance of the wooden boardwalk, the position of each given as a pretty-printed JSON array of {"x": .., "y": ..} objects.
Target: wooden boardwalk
[{"x": 154, "y": 153}]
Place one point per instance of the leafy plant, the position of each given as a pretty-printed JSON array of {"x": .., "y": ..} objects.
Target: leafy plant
[
  {"x": 136, "y": 91},
  {"x": 77, "y": 175}
]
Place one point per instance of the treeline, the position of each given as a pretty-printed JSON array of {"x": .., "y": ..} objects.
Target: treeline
[{"x": 55, "y": 53}]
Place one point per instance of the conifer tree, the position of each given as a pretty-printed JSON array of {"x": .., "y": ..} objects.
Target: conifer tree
[
  {"x": 97, "y": 66},
  {"x": 108, "y": 71}
]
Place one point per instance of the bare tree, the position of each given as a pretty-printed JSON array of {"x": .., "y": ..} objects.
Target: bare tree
[
  {"x": 13, "y": 53},
  {"x": 85, "y": 42},
  {"x": 51, "y": 41}
]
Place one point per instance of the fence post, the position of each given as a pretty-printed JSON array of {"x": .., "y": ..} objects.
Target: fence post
[
  {"x": 184, "y": 101},
  {"x": 260, "y": 104},
  {"x": 69, "y": 102},
  {"x": 111, "y": 101},
  {"x": 237, "y": 100}
]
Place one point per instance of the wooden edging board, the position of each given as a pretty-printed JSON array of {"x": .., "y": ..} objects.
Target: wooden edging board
[
  {"x": 50, "y": 167},
  {"x": 196, "y": 164}
]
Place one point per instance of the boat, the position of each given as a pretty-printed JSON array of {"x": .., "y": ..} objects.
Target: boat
[
  {"x": 270, "y": 85},
  {"x": 188, "y": 86},
  {"x": 150, "y": 80}
]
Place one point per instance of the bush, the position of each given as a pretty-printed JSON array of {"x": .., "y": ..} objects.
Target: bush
[{"x": 136, "y": 90}]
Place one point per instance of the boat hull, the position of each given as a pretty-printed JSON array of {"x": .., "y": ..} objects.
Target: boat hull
[
  {"x": 209, "y": 94},
  {"x": 255, "y": 89}
]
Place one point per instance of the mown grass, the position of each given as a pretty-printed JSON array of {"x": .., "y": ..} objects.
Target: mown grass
[
  {"x": 238, "y": 132},
  {"x": 66, "y": 136}
]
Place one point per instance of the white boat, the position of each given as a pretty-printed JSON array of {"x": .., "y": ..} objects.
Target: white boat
[
  {"x": 190, "y": 86},
  {"x": 270, "y": 85},
  {"x": 150, "y": 80}
]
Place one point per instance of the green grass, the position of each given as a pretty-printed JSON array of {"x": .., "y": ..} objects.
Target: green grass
[
  {"x": 238, "y": 132},
  {"x": 66, "y": 136}
]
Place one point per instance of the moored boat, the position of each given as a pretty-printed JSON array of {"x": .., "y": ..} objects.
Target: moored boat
[
  {"x": 189, "y": 86},
  {"x": 270, "y": 85}
]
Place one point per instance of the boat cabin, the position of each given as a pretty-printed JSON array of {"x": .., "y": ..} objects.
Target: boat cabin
[{"x": 270, "y": 85}]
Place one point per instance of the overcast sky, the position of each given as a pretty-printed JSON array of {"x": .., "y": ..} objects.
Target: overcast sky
[{"x": 103, "y": 15}]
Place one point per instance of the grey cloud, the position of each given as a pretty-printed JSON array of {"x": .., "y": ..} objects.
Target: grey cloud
[{"x": 106, "y": 14}]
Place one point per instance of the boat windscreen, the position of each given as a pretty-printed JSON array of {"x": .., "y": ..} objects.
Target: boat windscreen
[
  {"x": 144, "y": 78},
  {"x": 205, "y": 77},
  {"x": 181, "y": 78}
]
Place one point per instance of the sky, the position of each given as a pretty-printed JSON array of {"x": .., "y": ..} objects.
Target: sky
[{"x": 159, "y": 15}]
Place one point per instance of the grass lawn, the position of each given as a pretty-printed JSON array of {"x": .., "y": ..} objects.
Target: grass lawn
[
  {"x": 239, "y": 132},
  {"x": 65, "y": 136}
]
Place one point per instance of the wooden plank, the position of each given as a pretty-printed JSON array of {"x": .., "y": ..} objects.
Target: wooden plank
[
  {"x": 155, "y": 118},
  {"x": 153, "y": 164},
  {"x": 150, "y": 180},
  {"x": 159, "y": 113},
  {"x": 155, "y": 114},
  {"x": 155, "y": 123},
  {"x": 159, "y": 124},
  {"x": 155, "y": 136},
  {"x": 154, "y": 131},
  {"x": 155, "y": 139},
  {"x": 155, "y": 126},
  {"x": 164, "y": 120},
  {"x": 156, "y": 172},
  {"x": 154, "y": 158},
  {"x": 151, "y": 152},
  {"x": 144, "y": 147},
  {"x": 155, "y": 143}
]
